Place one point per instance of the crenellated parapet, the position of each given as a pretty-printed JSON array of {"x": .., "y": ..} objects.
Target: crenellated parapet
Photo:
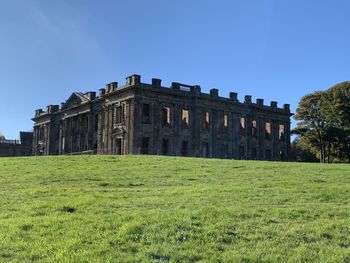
[{"x": 135, "y": 81}]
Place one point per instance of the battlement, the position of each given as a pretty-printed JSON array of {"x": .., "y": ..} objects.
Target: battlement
[
  {"x": 135, "y": 80},
  {"x": 214, "y": 93}
]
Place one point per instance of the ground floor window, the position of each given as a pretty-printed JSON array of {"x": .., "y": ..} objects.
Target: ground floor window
[
  {"x": 241, "y": 152},
  {"x": 165, "y": 146},
  {"x": 254, "y": 154},
  {"x": 184, "y": 148},
  {"x": 145, "y": 145},
  {"x": 205, "y": 149},
  {"x": 268, "y": 154}
]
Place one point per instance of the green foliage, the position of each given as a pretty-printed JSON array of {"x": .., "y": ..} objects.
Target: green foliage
[
  {"x": 160, "y": 209},
  {"x": 324, "y": 123}
]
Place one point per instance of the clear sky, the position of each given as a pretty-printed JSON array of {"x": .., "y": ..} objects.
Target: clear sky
[{"x": 272, "y": 49}]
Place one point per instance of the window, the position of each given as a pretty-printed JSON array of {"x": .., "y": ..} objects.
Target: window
[
  {"x": 145, "y": 145},
  {"x": 282, "y": 155},
  {"x": 254, "y": 128},
  {"x": 268, "y": 155},
  {"x": 254, "y": 154},
  {"x": 281, "y": 132},
  {"x": 206, "y": 120},
  {"x": 225, "y": 121},
  {"x": 224, "y": 150},
  {"x": 267, "y": 130},
  {"x": 241, "y": 152},
  {"x": 165, "y": 146},
  {"x": 146, "y": 110},
  {"x": 96, "y": 122},
  {"x": 119, "y": 146},
  {"x": 242, "y": 126},
  {"x": 166, "y": 116},
  {"x": 118, "y": 114},
  {"x": 184, "y": 148},
  {"x": 205, "y": 149},
  {"x": 185, "y": 117}
]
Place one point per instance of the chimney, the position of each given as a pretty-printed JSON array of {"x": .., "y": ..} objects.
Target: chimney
[
  {"x": 233, "y": 96},
  {"x": 274, "y": 104},
  {"x": 286, "y": 107},
  {"x": 102, "y": 92},
  {"x": 175, "y": 85},
  {"x": 91, "y": 95},
  {"x": 197, "y": 89},
  {"x": 52, "y": 108},
  {"x": 156, "y": 83},
  {"x": 214, "y": 92},
  {"x": 133, "y": 80},
  {"x": 38, "y": 112},
  {"x": 260, "y": 102},
  {"x": 248, "y": 99},
  {"x": 113, "y": 86}
]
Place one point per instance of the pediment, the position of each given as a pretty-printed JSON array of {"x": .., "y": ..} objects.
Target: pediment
[{"x": 74, "y": 100}]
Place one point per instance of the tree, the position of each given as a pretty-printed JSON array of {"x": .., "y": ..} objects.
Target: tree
[
  {"x": 324, "y": 123},
  {"x": 301, "y": 151},
  {"x": 2, "y": 137},
  {"x": 335, "y": 107},
  {"x": 312, "y": 125}
]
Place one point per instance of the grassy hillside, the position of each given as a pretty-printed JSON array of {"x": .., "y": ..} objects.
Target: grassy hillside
[{"x": 159, "y": 209}]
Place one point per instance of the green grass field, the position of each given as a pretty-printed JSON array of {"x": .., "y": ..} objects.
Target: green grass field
[{"x": 160, "y": 209}]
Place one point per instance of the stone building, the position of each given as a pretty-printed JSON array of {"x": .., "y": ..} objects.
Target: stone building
[
  {"x": 21, "y": 147},
  {"x": 140, "y": 118}
]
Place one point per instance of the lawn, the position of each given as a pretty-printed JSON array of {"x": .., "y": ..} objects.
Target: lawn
[{"x": 160, "y": 209}]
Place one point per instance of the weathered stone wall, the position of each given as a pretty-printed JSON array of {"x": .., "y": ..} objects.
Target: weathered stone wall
[{"x": 140, "y": 118}]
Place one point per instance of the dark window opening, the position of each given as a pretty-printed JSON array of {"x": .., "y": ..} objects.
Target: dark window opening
[
  {"x": 281, "y": 132},
  {"x": 282, "y": 155},
  {"x": 206, "y": 119},
  {"x": 185, "y": 117},
  {"x": 96, "y": 122},
  {"x": 241, "y": 152},
  {"x": 242, "y": 126},
  {"x": 184, "y": 148},
  {"x": 146, "y": 110},
  {"x": 166, "y": 116},
  {"x": 225, "y": 121},
  {"x": 267, "y": 130},
  {"x": 254, "y": 129},
  {"x": 268, "y": 155},
  {"x": 119, "y": 115},
  {"x": 119, "y": 146},
  {"x": 165, "y": 146},
  {"x": 224, "y": 151},
  {"x": 205, "y": 149},
  {"x": 145, "y": 145},
  {"x": 254, "y": 154}
]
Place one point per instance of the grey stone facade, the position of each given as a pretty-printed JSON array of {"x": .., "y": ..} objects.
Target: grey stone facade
[{"x": 140, "y": 118}]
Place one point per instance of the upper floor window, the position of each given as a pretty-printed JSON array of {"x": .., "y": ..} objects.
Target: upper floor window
[
  {"x": 254, "y": 128},
  {"x": 225, "y": 124},
  {"x": 206, "y": 120},
  {"x": 96, "y": 122},
  {"x": 146, "y": 110},
  {"x": 267, "y": 130},
  {"x": 281, "y": 132},
  {"x": 242, "y": 126},
  {"x": 166, "y": 115},
  {"x": 185, "y": 117},
  {"x": 118, "y": 114}
]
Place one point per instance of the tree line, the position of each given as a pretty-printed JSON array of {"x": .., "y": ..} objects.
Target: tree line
[{"x": 323, "y": 128}]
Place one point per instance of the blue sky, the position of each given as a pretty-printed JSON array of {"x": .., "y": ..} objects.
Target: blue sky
[{"x": 271, "y": 49}]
